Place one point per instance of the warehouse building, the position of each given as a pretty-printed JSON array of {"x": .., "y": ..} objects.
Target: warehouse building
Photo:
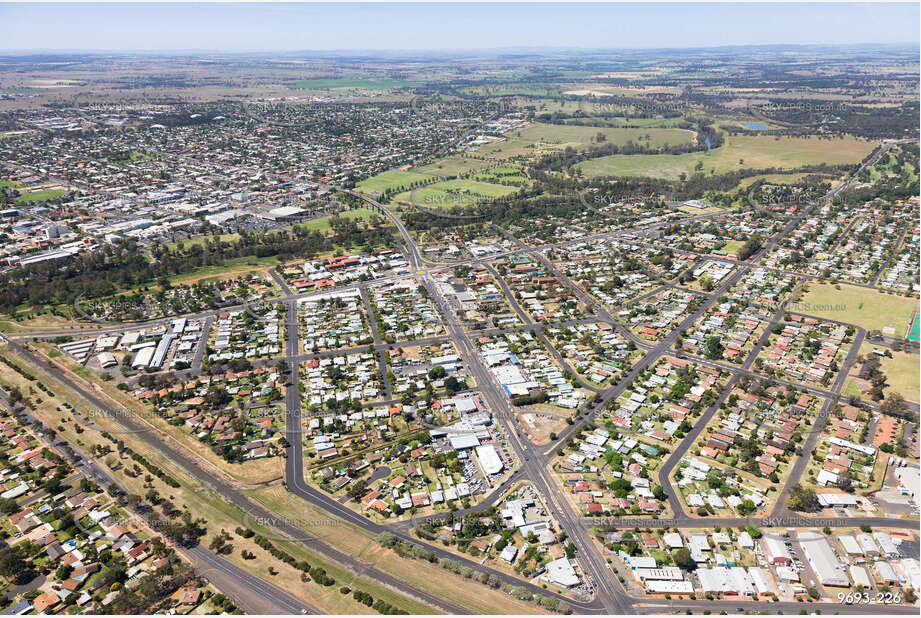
[{"x": 823, "y": 560}]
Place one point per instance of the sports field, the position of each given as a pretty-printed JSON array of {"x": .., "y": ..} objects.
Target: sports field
[
  {"x": 861, "y": 306},
  {"x": 739, "y": 152},
  {"x": 40, "y": 196},
  {"x": 452, "y": 166},
  {"x": 504, "y": 174},
  {"x": 539, "y": 138},
  {"x": 393, "y": 179},
  {"x": 914, "y": 332},
  {"x": 453, "y": 193}
]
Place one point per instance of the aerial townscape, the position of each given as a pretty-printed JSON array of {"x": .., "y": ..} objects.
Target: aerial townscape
[{"x": 555, "y": 327}]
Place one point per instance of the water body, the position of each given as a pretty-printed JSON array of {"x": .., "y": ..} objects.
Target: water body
[{"x": 756, "y": 126}]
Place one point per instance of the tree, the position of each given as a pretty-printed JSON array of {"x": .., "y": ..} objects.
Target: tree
[
  {"x": 713, "y": 348},
  {"x": 682, "y": 558},
  {"x": 894, "y": 405},
  {"x": 12, "y": 564},
  {"x": 803, "y": 499},
  {"x": 8, "y": 506}
]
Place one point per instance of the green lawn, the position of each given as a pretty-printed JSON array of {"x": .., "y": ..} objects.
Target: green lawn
[
  {"x": 861, "y": 306},
  {"x": 453, "y": 193},
  {"x": 233, "y": 267},
  {"x": 394, "y": 179},
  {"x": 452, "y": 166},
  {"x": 322, "y": 224},
  {"x": 505, "y": 173},
  {"x": 200, "y": 240},
  {"x": 775, "y": 179},
  {"x": 739, "y": 152},
  {"x": 40, "y": 196}
]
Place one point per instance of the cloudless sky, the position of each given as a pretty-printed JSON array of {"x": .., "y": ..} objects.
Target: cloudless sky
[{"x": 294, "y": 27}]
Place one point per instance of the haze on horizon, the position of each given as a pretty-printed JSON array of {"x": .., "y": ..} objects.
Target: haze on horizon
[{"x": 327, "y": 27}]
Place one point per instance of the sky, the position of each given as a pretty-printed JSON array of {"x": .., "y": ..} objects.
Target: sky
[{"x": 322, "y": 27}]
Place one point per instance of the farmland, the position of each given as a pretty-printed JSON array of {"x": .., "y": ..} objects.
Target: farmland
[
  {"x": 355, "y": 84},
  {"x": 740, "y": 152},
  {"x": 537, "y": 138}
]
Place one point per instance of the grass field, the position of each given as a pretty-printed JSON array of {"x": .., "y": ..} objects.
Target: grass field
[
  {"x": 739, "y": 152},
  {"x": 861, "y": 306},
  {"x": 732, "y": 246},
  {"x": 40, "y": 196},
  {"x": 201, "y": 240},
  {"x": 393, "y": 179},
  {"x": 538, "y": 138},
  {"x": 359, "y": 84},
  {"x": 505, "y": 173},
  {"x": 453, "y": 193},
  {"x": 505, "y": 90},
  {"x": 452, "y": 166},
  {"x": 322, "y": 224},
  {"x": 779, "y": 179},
  {"x": 44, "y": 321},
  {"x": 231, "y": 268},
  {"x": 901, "y": 371}
]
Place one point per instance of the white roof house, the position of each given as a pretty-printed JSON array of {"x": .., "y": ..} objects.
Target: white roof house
[
  {"x": 885, "y": 572},
  {"x": 661, "y": 586},
  {"x": 508, "y": 553},
  {"x": 745, "y": 540},
  {"x": 673, "y": 540}
]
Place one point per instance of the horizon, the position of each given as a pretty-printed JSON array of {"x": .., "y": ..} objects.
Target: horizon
[{"x": 265, "y": 28}]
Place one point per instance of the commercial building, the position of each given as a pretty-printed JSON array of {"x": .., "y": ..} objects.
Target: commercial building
[
  {"x": 561, "y": 573},
  {"x": 775, "y": 551},
  {"x": 823, "y": 560},
  {"x": 489, "y": 459}
]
